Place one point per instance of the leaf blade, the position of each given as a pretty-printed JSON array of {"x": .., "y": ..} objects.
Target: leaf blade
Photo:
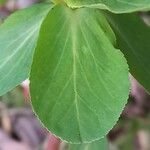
[
  {"x": 74, "y": 76},
  {"x": 115, "y": 6},
  {"x": 18, "y": 36},
  {"x": 133, "y": 40}
]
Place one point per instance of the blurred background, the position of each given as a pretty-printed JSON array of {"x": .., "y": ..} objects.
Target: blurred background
[{"x": 21, "y": 130}]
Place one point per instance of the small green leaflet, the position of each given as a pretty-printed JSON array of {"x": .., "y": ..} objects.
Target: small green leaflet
[
  {"x": 133, "y": 38},
  {"x": 116, "y": 6},
  {"x": 101, "y": 144},
  {"x": 18, "y": 36},
  {"x": 79, "y": 81}
]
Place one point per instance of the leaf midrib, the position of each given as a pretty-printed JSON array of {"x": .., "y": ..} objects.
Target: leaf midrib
[{"x": 74, "y": 51}]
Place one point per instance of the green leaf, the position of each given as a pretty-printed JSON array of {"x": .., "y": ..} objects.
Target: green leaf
[
  {"x": 133, "y": 38},
  {"x": 116, "y": 6},
  {"x": 18, "y": 37},
  {"x": 96, "y": 145},
  {"x": 79, "y": 81}
]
